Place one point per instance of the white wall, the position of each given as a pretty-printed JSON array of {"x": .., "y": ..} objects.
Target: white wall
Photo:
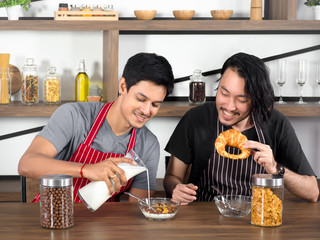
[{"x": 185, "y": 52}]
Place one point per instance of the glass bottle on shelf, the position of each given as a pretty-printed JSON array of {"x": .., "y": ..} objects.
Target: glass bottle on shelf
[
  {"x": 52, "y": 87},
  {"x": 197, "y": 88},
  {"x": 30, "y": 83},
  {"x": 82, "y": 83}
]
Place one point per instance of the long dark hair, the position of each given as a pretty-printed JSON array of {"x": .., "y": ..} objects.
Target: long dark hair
[
  {"x": 151, "y": 67},
  {"x": 257, "y": 83}
]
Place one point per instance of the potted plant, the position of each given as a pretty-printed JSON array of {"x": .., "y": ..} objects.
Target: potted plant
[
  {"x": 316, "y": 7},
  {"x": 14, "y": 7}
]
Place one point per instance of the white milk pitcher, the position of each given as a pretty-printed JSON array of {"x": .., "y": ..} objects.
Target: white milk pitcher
[{"x": 94, "y": 194}]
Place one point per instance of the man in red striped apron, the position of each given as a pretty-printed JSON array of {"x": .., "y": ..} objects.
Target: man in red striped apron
[
  {"x": 94, "y": 137},
  {"x": 244, "y": 101}
]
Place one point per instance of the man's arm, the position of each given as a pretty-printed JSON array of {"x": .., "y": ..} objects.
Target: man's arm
[
  {"x": 141, "y": 193},
  {"x": 38, "y": 160},
  {"x": 173, "y": 182},
  {"x": 303, "y": 186}
]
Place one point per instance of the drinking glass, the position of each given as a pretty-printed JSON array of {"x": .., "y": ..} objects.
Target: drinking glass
[
  {"x": 302, "y": 78},
  {"x": 318, "y": 74},
  {"x": 281, "y": 78}
]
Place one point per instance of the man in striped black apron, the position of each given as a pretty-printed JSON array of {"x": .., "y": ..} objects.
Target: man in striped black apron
[
  {"x": 93, "y": 138},
  {"x": 244, "y": 101}
]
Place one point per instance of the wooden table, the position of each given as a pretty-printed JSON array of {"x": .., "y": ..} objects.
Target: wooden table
[{"x": 301, "y": 220}]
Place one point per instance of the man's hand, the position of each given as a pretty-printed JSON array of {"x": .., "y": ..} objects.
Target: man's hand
[
  {"x": 262, "y": 155},
  {"x": 108, "y": 170},
  {"x": 184, "y": 193}
]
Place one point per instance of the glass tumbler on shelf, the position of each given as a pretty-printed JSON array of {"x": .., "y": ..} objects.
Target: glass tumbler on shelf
[
  {"x": 281, "y": 78},
  {"x": 302, "y": 78},
  {"x": 30, "y": 84},
  {"x": 5, "y": 86},
  {"x": 197, "y": 88}
]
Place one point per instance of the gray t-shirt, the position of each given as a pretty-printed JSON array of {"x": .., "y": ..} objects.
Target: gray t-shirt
[{"x": 70, "y": 124}]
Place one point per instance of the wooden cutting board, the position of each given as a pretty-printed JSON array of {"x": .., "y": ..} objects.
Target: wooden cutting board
[{"x": 16, "y": 79}]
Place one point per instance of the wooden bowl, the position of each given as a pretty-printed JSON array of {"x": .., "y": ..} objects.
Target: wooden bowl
[
  {"x": 221, "y": 14},
  {"x": 145, "y": 14},
  {"x": 183, "y": 14}
]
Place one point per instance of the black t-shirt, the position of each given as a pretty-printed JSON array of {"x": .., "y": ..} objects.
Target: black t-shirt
[{"x": 193, "y": 140}]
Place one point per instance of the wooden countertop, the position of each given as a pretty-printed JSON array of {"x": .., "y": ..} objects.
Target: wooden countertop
[
  {"x": 301, "y": 220},
  {"x": 167, "y": 109}
]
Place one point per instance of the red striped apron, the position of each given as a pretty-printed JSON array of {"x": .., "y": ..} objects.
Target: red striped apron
[{"x": 86, "y": 154}]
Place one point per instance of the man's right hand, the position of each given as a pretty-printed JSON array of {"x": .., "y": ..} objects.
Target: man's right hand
[{"x": 184, "y": 193}]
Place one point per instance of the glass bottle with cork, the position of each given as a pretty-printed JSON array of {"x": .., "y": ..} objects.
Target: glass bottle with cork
[
  {"x": 82, "y": 83},
  {"x": 197, "y": 88},
  {"x": 30, "y": 83},
  {"x": 52, "y": 87}
]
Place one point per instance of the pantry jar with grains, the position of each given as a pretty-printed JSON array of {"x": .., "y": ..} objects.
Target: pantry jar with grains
[
  {"x": 197, "y": 88},
  {"x": 52, "y": 87},
  {"x": 267, "y": 200},
  {"x": 56, "y": 201},
  {"x": 30, "y": 83}
]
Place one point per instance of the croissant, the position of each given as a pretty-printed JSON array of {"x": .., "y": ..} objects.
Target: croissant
[{"x": 232, "y": 138}]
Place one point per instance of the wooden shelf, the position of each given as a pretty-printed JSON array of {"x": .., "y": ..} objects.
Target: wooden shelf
[
  {"x": 167, "y": 109},
  {"x": 280, "y": 26}
]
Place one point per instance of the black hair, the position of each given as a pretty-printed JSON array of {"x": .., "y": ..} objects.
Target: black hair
[
  {"x": 149, "y": 67},
  {"x": 257, "y": 83}
]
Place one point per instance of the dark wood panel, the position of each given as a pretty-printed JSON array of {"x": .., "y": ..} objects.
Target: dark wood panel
[{"x": 163, "y": 25}]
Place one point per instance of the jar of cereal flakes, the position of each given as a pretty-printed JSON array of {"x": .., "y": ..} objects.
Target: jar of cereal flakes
[
  {"x": 52, "y": 87},
  {"x": 267, "y": 200}
]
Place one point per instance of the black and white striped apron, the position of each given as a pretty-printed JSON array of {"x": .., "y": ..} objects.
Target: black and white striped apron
[{"x": 229, "y": 175}]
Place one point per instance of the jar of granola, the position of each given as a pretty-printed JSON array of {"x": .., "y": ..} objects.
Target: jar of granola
[
  {"x": 267, "y": 200},
  {"x": 52, "y": 87},
  {"x": 30, "y": 84}
]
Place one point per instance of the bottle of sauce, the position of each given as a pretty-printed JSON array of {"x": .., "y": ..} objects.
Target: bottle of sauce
[
  {"x": 30, "y": 84},
  {"x": 82, "y": 83},
  {"x": 197, "y": 88},
  {"x": 52, "y": 87}
]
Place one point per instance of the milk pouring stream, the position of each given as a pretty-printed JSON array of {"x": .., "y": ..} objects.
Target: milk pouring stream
[{"x": 94, "y": 194}]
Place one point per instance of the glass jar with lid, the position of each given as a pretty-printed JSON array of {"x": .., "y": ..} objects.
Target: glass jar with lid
[
  {"x": 30, "y": 83},
  {"x": 56, "y": 201},
  {"x": 267, "y": 200},
  {"x": 52, "y": 87},
  {"x": 197, "y": 88}
]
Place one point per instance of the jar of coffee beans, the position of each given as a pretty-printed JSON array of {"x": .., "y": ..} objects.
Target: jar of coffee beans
[
  {"x": 197, "y": 88},
  {"x": 56, "y": 201}
]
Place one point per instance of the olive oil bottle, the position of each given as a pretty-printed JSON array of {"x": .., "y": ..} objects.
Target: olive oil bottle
[{"x": 82, "y": 83}]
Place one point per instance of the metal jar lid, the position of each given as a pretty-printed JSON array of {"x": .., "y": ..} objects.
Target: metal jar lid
[
  {"x": 56, "y": 180},
  {"x": 267, "y": 180}
]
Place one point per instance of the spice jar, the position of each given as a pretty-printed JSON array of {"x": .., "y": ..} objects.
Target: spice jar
[
  {"x": 52, "y": 87},
  {"x": 267, "y": 200},
  {"x": 30, "y": 84},
  {"x": 197, "y": 88},
  {"x": 56, "y": 201},
  {"x": 63, "y": 7}
]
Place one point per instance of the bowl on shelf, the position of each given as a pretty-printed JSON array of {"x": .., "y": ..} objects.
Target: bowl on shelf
[
  {"x": 183, "y": 14},
  {"x": 233, "y": 205},
  {"x": 160, "y": 209},
  {"x": 145, "y": 14},
  {"x": 221, "y": 14}
]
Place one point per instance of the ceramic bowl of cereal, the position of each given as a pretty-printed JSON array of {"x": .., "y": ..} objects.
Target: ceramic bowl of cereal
[
  {"x": 160, "y": 209},
  {"x": 233, "y": 205}
]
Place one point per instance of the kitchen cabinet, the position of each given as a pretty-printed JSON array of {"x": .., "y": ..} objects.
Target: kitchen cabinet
[{"x": 110, "y": 32}]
